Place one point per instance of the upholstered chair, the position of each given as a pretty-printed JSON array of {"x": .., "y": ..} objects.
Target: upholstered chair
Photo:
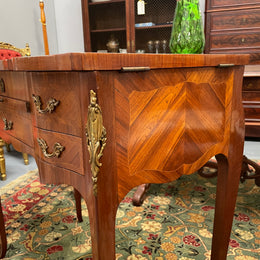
[{"x": 8, "y": 51}]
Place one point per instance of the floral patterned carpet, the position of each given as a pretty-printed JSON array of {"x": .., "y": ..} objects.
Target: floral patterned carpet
[{"x": 175, "y": 222}]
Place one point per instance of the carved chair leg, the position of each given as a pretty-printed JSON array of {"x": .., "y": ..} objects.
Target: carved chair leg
[
  {"x": 250, "y": 170},
  {"x": 77, "y": 197},
  {"x": 140, "y": 193},
  {"x": 3, "y": 241},
  {"x": 2, "y": 160},
  {"x": 25, "y": 158}
]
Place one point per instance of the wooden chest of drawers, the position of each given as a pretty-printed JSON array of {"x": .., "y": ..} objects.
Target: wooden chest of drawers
[
  {"x": 251, "y": 100},
  {"x": 15, "y": 111},
  {"x": 105, "y": 123},
  {"x": 233, "y": 26}
]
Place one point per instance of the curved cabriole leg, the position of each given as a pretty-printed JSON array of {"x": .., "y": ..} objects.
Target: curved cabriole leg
[
  {"x": 77, "y": 197},
  {"x": 229, "y": 170},
  {"x": 3, "y": 242}
]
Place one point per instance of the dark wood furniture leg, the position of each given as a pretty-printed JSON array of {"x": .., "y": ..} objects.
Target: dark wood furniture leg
[
  {"x": 139, "y": 194},
  {"x": 228, "y": 181},
  {"x": 3, "y": 242},
  {"x": 77, "y": 197}
]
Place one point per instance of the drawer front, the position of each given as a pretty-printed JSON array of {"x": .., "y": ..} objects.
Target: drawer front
[
  {"x": 15, "y": 120},
  {"x": 69, "y": 157},
  {"x": 62, "y": 88},
  {"x": 14, "y": 85},
  {"x": 251, "y": 104},
  {"x": 235, "y": 42},
  {"x": 231, "y": 3},
  {"x": 251, "y": 83},
  {"x": 252, "y": 112},
  {"x": 246, "y": 19}
]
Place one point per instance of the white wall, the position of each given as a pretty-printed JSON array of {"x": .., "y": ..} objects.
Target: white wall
[
  {"x": 20, "y": 24},
  {"x": 69, "y": 25}
]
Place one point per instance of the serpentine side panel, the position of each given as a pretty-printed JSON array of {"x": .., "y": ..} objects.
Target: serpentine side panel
[{"x": 161, "y": 114}]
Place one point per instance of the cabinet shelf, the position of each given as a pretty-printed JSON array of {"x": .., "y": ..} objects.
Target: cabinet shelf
[
  {"x": 154, "y": 26},
  {"x": 108, "y": 30},
  {"x": 106, "y": 2}
]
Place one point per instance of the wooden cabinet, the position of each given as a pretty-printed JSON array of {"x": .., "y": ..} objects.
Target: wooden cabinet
[
  {"x": 119, "y": 18},
  {"x": 251, "y": 100},
  {"x": 233, "y": 26},
  {"x": 128, "y": 119},
  {"x": 15, "y": 117}
]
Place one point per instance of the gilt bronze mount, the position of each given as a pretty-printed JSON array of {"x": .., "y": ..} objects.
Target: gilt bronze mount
[
  {"x": 51, "y": 104},
  {"x": 8, "y": 124},
  {"x": 96, "y": 138},
  {"x": 57, "y": 149}
]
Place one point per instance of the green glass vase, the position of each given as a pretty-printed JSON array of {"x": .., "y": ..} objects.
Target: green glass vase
[{"x": 187, "y": 29}]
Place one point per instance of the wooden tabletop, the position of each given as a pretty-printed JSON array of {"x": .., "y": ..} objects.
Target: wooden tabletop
[{"x": 115, "y": 61}]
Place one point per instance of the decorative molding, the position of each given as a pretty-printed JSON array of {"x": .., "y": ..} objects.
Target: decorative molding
[{"x": 96, "y": 137}]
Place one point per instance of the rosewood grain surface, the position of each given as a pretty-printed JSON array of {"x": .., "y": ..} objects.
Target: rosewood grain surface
[{"x": 164, "y": 118}]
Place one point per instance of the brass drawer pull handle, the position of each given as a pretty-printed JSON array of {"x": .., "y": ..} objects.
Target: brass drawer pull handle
[
  {"x": 2, "y": 100},
  {"x": 57, "y": 149},
  {"x": 2, "y": 85},
  {"x": 51, "y": 104},
  {"x": 8, "y": 125}
]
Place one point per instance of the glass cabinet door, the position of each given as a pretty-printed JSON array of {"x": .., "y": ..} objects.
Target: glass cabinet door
[
  {"x": 102, "y": 21},
  {"x": 148, "y": 31},
  {"x": 152, "y": 30}
]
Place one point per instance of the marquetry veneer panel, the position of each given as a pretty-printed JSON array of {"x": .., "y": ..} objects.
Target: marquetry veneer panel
[{"x": 148, "y": 112}]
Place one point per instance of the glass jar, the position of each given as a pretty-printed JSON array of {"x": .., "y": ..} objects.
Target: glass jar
[{"x": 187, "y": 29}]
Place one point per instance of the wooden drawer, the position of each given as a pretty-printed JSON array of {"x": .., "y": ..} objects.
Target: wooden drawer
[
  {"x": 235, "y": 42},
  {"x": 18, "y": 117},
  {"x": 70, "y": 158},
  {"x": 14, "y": 84},
  {"x": 251, "y": 104},
  {"x": 251, "y": 83},
  {"x": 231, "y": 20},
  {"x": 251, "y": 96},
  {"x": 60, "y": 86},
  {"x": 252, "y": 112},
  {"x": 231, "y": 3}
]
